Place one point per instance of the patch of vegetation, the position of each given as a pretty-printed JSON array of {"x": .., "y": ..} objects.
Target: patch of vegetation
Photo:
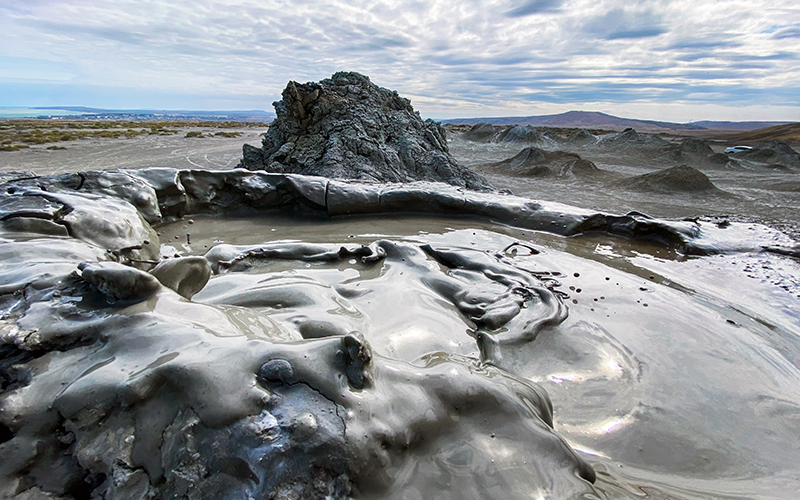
[
  {"x": 194, "y": 133},
  {"x": 158, "y": 129},
  {"x": 13, "y": 147},
  {"x": 227, "y": 134},
  {"x": 56, "y": 148}
]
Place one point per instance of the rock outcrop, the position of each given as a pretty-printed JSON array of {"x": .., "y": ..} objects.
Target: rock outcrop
[{"x": 346, "y": 127}]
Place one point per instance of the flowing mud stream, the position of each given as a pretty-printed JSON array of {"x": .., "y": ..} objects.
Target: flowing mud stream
[{"x": 306, "y": 338}]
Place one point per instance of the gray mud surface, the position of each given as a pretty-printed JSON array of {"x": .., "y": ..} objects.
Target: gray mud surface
[{"x": 233, "y": 334}]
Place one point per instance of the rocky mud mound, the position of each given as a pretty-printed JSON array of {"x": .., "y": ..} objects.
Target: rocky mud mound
[
  {"x": 582, "y": 138},
  {"x": 133, "y": 366},
  {"x": 771, "y": 153},
  {"x": 481, "y": 132},
  {"x": 676, "y": 179},
  {"x": 698, "y": 152},
  {"x": 522, "y": 134},
  {"x": 787, "y": 132},
  {"x": 536, "y": 162},
  {"x": 346, "y": 127},
  {"x": 720, "y": 159},
  {"x": 696, "y": 147}
]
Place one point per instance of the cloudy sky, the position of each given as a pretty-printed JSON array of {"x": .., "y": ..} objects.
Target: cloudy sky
[{"x": 675, "y": 60}]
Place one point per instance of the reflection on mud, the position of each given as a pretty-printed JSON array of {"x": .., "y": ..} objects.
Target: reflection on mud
[{"x": 291, "y": 353}]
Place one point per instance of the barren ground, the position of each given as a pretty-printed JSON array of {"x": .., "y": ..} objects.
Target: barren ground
[{"x": 762, "y": 195}]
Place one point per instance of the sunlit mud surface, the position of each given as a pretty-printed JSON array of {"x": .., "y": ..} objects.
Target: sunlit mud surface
[{"x": 675, "y": 377}]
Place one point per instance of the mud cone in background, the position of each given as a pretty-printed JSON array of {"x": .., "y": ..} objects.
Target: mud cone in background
[
  {"x": 582, "y": 138},
  {"x": 346, "y": 127},
  {"x": 536, "y": 162},
  {"x": 522, "y": 134},
  {"x": 676, "y": 179}
]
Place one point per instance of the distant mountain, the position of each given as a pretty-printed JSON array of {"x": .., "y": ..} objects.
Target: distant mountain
[
  {"x": 596, "y": 120},
  {"x": 744, "y": 126}
]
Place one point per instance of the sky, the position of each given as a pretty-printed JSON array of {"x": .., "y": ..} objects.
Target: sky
[{"x": 675, "y": 60}]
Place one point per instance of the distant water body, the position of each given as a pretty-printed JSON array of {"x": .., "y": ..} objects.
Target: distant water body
[{"x": 34, "y": 112}]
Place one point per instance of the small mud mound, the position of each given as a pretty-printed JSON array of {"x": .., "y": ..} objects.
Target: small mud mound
[
  {"x": 579, "y": 168},
  {"x": 696, "y": 147},
  {"x": 673, "y": 155},
  {"x": 536, "y": 162},
  {"x": 582, "y": 138},
  {"x": 683, "y": 179},
  {"x": 525, "y": 134},
  {"x": 481, "y": 132},
  {"x": 522, "y": 134},
  {"x": 346, "y": 127},
  {"x": 719, "y": 159},
  {"x": 693, "y": 151},
  {"x": 631, "y": 139}
]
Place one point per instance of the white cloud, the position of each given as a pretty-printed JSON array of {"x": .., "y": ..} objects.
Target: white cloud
[{"x": 452, "y": 58}]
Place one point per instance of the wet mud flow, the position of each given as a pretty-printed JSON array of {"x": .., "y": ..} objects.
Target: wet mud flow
[{"x": 236, "y": 334}]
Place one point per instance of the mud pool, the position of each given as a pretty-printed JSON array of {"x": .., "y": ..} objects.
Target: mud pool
[{"x": 345, "y": 346}]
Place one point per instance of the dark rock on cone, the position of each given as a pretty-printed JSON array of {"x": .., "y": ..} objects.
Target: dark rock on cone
[{"x": 346, "y": 127}]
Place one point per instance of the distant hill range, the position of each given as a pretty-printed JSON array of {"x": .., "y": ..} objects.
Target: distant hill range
[
  {"x": 789, "y": 132},
  {"x": 596, "y": 120},
  {"x": 85, "y": 113}
]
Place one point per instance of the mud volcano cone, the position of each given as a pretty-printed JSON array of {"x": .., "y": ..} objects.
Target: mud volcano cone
[
  {"x": 582, "y": 138},
  {"x": 346, "y": 127},
  {"x": 536, "y": 162},
  {"x": 676, "y": 179}
]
